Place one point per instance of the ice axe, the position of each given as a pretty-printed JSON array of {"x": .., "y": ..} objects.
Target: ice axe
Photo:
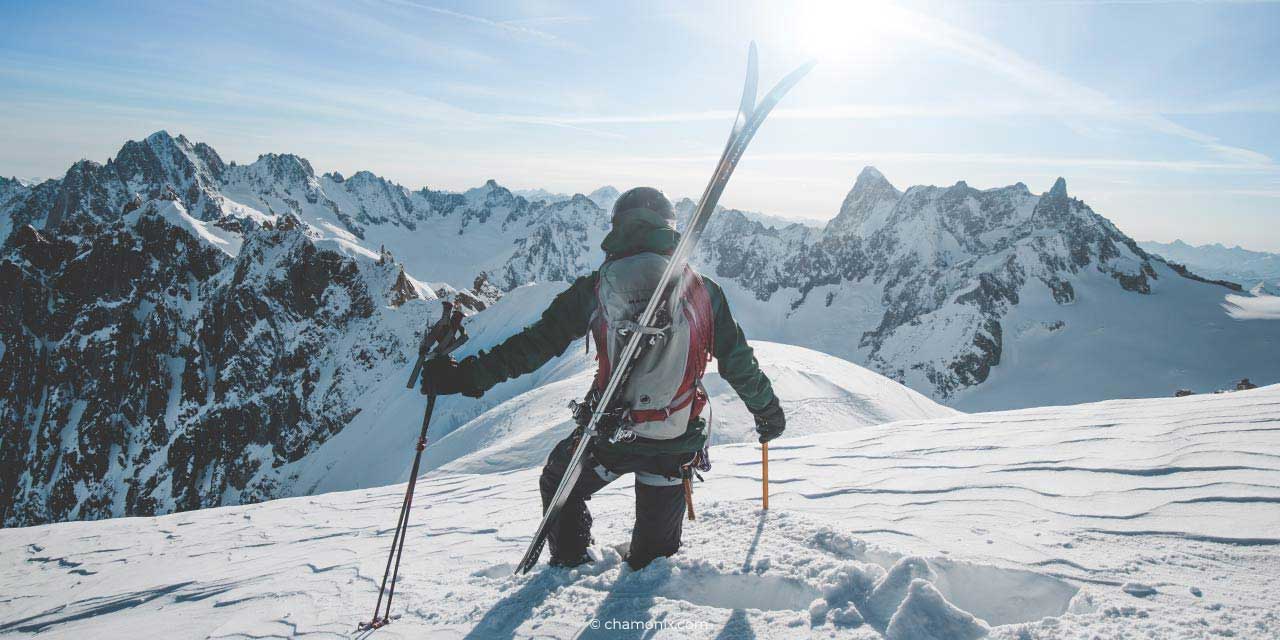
[
  {"x": 441, "y": 339},
  {"x": 764, "y": 472}
]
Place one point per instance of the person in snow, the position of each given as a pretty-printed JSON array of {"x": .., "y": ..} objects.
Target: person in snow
[{"x": 664, "y": 396}]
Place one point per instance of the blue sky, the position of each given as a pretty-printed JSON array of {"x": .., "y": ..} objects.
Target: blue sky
[{"x": 1161, "y": 115}]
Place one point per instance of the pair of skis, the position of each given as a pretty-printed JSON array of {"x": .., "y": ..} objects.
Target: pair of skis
[
  {"x": 750, "y": 117},
  {"x": 445, "y": 336}
]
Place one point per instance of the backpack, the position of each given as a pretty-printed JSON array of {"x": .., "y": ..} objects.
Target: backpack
[{"x": 664, "y": 391}]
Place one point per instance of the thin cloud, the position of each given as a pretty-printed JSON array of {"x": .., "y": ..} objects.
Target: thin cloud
[
  {"x": 379, "y": 34},
  {"x": 507, "y": 26},
  {"x": 992, "y": 159},
  {"x": 1055, "y": 86}
]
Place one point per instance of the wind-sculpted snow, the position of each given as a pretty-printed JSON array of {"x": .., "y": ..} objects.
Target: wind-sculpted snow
[
  {"x": 1152, "y": 519},
  {"x": 1258, "y": 307}
]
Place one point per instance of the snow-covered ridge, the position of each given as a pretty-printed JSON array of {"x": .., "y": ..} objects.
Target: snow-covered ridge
[{"x": 1149, "y": 518}]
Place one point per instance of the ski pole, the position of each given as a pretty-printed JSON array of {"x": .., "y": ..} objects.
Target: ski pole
[
  {"x": 408, "y": 503},
  {"x": 446, "y": 335},
  {"x": 764, "y": 472}
]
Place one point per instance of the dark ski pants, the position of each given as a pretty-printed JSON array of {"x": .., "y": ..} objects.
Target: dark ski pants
[{"x": 659, "y": 501}]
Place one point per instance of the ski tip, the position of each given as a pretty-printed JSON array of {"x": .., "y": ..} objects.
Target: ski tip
[
  {"x": 794, "y": 77},
  {"x": 805, "y": 68}
]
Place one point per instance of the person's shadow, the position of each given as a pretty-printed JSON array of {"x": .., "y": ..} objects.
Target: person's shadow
[
  {"x": 624, "y": 614},
  {"x": 736, "y": 627},
  {"x": 502, "y": 620}
]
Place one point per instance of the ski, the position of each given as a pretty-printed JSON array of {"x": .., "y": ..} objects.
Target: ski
[{"x": 750, "y": 117}]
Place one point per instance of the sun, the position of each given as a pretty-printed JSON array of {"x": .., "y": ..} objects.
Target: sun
[{"x": 834, "y": 32}]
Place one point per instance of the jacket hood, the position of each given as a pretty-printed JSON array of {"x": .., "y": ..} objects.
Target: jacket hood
[{"x": 638, "y": 231}]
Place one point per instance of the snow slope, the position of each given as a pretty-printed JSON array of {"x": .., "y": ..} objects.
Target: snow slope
[
  {"x": 517, "y": 422},
  {"x": 1120, "y": 519},
  {"x": 1182, "y": 335},
  {"x": 819, "y": 393}
]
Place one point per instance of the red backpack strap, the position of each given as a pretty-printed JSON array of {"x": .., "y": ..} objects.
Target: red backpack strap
[{"x": 702, "y": 323}]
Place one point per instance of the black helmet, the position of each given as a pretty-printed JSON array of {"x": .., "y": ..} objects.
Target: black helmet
[{"x": 643, "y": 198}]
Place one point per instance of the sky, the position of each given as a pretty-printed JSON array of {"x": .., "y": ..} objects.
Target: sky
[{"x": 1163, "y": 116}]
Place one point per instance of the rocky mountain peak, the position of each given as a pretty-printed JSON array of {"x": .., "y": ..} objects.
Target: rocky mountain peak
[
  {"x": 867, "y": 205},
  {"x": 493, "y": 195},
  {"x": 159, "y": 137},
  {"x": 1059, "y": 189},
  {"x": 604, "y": 197},
  {"x": 285, "y": 168},
  {"x": 580, "y": 200},
  {"x": 10, "y": 187}
]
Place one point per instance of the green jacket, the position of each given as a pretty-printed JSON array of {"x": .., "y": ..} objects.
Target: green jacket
[{"x": 569, "y": 316}]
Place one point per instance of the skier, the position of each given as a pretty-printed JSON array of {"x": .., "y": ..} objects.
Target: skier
[{"x": 666, "y": 434}]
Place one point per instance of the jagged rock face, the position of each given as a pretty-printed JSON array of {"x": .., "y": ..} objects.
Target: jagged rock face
[
  {"x": 941, "y": 262},
  {"x": 145, "y": 370},
  {"x": 562, "y": 245},
  {"x": 87, "y": 362},
  {"x": 11, "y": 188}
]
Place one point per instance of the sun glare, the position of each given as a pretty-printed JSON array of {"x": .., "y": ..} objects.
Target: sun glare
[{"x": 834, "y": 31}]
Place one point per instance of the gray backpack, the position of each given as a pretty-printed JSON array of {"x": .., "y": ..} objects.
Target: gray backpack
[{"x": 664, "y": 391}]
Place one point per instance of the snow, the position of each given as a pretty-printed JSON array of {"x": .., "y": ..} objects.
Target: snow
[
  {"x": 1130, "y": 518},
  {"x": 517, "y": 422},
  {"x": 176, "y": 214},
  {"x": 1257, "y": 307},
  {"x": 1184, "y": 335}
]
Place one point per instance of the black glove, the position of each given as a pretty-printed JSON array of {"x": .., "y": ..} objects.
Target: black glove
[
  {"x": 443, "y": 376},
  {"x": 770, "y": 421}
]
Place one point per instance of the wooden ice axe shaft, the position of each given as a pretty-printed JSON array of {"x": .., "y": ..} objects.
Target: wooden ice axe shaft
[{"x": 764, "y": 472}]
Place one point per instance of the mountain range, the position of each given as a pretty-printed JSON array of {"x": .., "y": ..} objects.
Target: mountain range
[
  {"x": 179, "y": 331},
  {"x": 1252, "y": 269}
]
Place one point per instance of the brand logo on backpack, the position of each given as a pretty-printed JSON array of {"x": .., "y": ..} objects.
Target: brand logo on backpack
[{"x": 662, "y": 393}]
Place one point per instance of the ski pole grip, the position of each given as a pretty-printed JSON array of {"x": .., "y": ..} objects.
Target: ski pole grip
[{"x": 436, "y": 333}]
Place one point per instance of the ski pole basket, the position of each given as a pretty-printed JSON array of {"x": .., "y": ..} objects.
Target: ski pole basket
[{"x": 441, "y": 338}]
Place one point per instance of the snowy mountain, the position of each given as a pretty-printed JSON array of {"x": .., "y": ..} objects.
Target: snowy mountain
[
  {"x": 1120, "y": 519},
  {"x": 179, "y": 331},
  {"x": 170, "y": 363},
  {"x": 988, "y": 298},
  {"x": 1248, "y": 268}
]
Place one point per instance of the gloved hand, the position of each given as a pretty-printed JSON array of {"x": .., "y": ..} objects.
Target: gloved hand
[
  {"x": 443, "y": 376},
  {"x": 770, "y": 421}
]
